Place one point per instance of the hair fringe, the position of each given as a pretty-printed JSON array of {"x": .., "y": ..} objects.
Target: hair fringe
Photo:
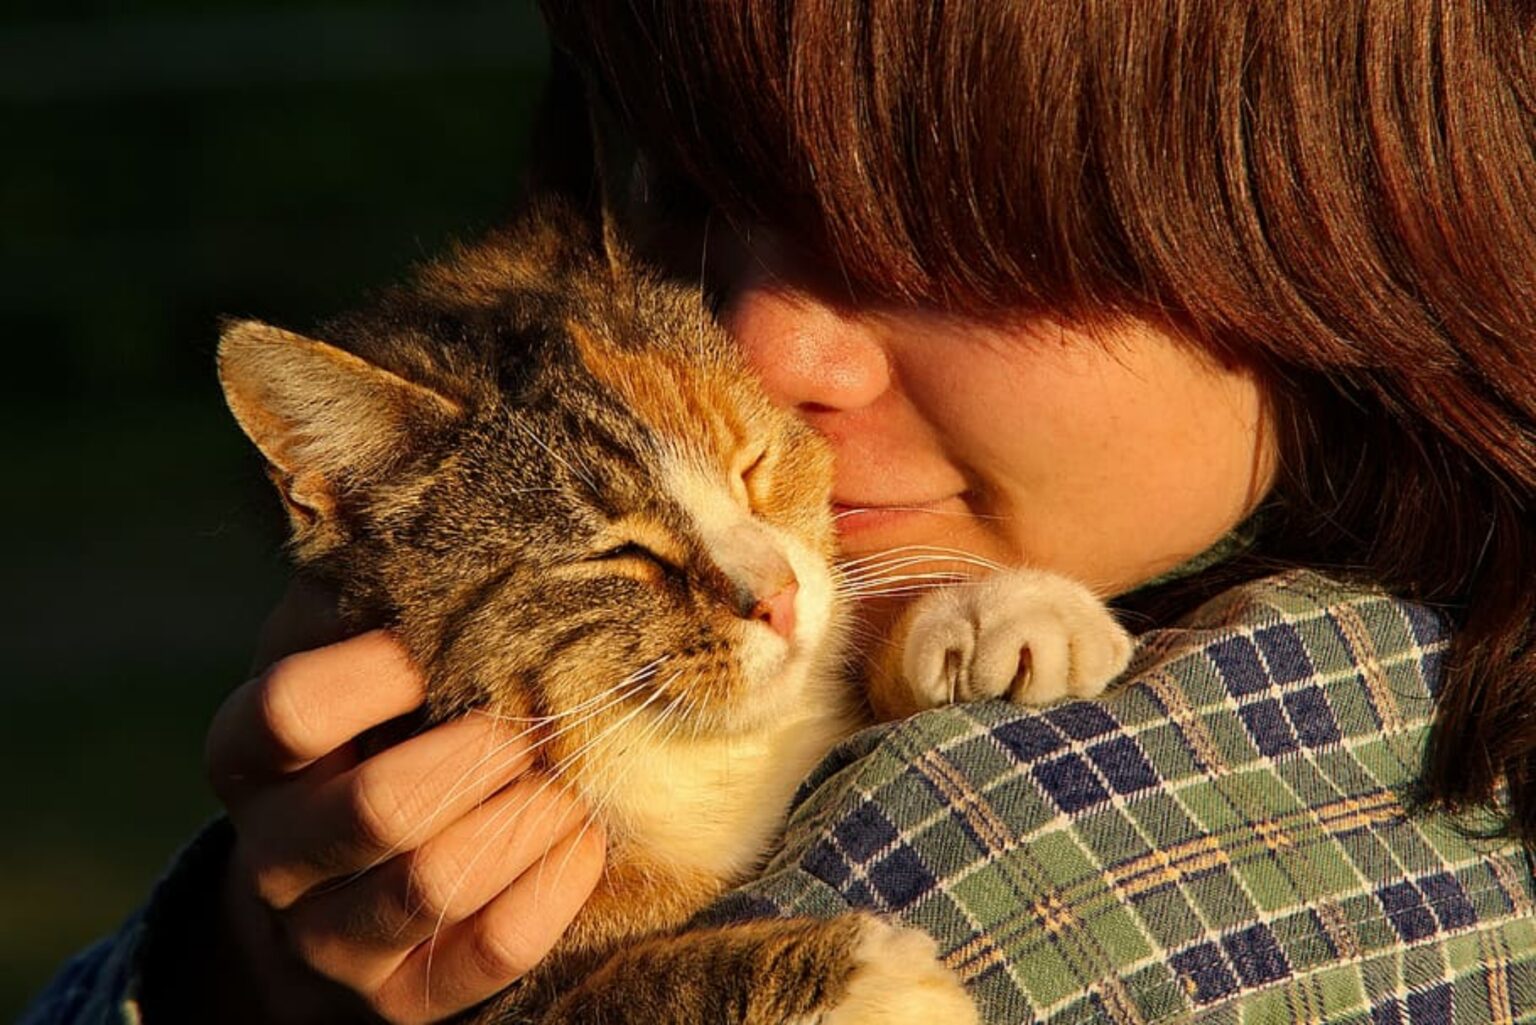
[{"x": 1339, "y": 193}]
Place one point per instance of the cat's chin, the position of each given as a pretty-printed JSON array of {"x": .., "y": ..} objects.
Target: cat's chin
[{"x": 802, "y": 683}]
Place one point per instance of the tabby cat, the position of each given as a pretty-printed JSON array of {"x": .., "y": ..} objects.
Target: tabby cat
[{"x": 551, "y": 475}]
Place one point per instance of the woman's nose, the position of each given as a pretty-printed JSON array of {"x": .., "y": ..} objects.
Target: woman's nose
[{"x": 809, "y": 355}]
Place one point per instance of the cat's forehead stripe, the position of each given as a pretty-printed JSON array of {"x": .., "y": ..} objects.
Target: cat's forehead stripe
[{"x": 671, "y": 398}]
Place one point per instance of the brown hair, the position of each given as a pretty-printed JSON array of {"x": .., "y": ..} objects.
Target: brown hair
[{"x": 1342, "y": 193}]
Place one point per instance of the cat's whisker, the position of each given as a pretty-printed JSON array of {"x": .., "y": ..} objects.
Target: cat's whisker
[
  {"x": 874, "y": 584},
  {"x": 888, "y": 590},
  {"x": 936, "y": 551},
  {"x": 629, "y": 685},
  {"x": 605, "y": 734},
  {"x": 577, "y": 472},
  {"x": 611, "y": 730},
  {"x": 437, "y": 926},
  {"x": 870, "y": 639},
  {"x": 884, "y": 553},
  {"x": 552, "y": 778},
  {"x": 618, "y": 777},
  {"x": 856, "y": 565},
  {"x": 668, "y": 712},
  {"x": 612, "y": 735},
  {"x": 895, "y": 575},
  {"x": 602, "y": 803},
  {"x": 906, "y": 559},
  {"x": 853, "y": 584},
  {"x": 632, "y": 685},
  {"x": 556, "y": 769},
  {"x": 861, "y": 510},
  {"x": 901, "y": 549},
  {"x": 402, "y": 844},
  {"x": 895, "y": 591},
  {"x": 896, "y": 587},
  {"x": 887, "y": 571},
  {"x": 645, "y": 672},
  {"x": 898, "y": 590}
]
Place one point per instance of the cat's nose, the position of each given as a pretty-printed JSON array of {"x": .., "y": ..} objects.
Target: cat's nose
[{"x": 777, "y": 610}]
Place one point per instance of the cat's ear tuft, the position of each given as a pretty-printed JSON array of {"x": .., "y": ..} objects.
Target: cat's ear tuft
[
  {"x": 614, "y": 159},
  {"x": 325, "y": 419}
]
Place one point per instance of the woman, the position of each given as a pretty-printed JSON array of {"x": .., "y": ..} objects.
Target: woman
[{"x": 1225, "y": 309}]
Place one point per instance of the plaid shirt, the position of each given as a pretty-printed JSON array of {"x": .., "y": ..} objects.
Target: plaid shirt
[{"x": 1229, "y": 836}]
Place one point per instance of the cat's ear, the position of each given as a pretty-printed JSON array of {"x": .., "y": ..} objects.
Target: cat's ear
[
  {"x": 323, "y": 417},
  {"x": 596, "y": 169},
  {"x": 615, "y": 161}
]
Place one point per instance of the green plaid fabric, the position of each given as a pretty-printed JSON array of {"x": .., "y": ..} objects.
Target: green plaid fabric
[{"x": 1227, "y": 837}]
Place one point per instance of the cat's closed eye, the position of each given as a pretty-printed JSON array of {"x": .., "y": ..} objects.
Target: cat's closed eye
[
  {"x": 638, "y": 560},
  {"x": 749, "y": 484},
  {"x": 627, "y": 550}
]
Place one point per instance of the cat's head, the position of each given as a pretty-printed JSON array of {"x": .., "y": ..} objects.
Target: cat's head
[{"x": 559, "y": 483}]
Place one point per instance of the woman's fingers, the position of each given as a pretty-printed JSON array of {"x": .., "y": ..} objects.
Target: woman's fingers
[
  {"x": 476, "y": 958},
  {"x": 305, "y": 617},
  {"x": 306, "y": 706},
  {"x": 423, "y": 876},
  {"x": 360, "y": 933},
  {"x": 322, "y": 827}
]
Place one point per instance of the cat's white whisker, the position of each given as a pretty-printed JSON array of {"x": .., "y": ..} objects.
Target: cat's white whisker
[
  {"x": 402, "y": 844},
  {"x": 629, "y": 685},
  {"x": 935, "y": 560},
  {"x": 611, "y": 734},
  {"x": 876, "y": 580},
  {"x": 885, "y": 568},
  {"x": 896, "y": 574},
  {"x": 557, "y": 768},
  {"x": 645, "y": 672},
  {"x": 903, "y": 549},
  {"x": 588, "y": 481},
  {"x": 437, "y": 926},
  {"x": 605, "y": 734},
  {"x": 552, "y": 778},
  {"x": 601, "y": 804},
  {"x": 861, "y": 510},
  {"x": 893, "y": 573},
  {"x": 493, "y": 821},
  {"x": 899, "y": 589}
]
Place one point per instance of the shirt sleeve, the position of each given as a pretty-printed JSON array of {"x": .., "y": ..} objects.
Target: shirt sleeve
[
  {"x": 1230, "y": 834},
  {"x": 115, "y": 980}
]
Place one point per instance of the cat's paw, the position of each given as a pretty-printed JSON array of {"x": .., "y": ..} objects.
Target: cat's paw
[
  {"x": 898, "y": 980},
  {"x": 1027, "y": 635}
]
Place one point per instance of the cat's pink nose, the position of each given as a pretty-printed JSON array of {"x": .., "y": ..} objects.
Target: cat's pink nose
[{"x": 778, "y": 610}]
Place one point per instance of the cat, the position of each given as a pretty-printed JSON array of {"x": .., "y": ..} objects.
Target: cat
[{"x": 551, "y": 475}]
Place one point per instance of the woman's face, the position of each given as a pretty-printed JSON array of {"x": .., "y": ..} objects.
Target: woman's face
[{"x": 1109, "y": 456}]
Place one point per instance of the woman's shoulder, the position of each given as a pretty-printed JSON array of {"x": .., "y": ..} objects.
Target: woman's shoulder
[
  {"x": 1234, "y": 823},
  {"x": 1295, "y": 662}
]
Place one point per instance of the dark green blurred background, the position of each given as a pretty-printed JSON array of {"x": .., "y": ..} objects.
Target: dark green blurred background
[{"x": 165, "y": 162}]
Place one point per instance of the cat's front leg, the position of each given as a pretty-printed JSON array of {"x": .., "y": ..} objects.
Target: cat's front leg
[
  {"x": 855, "y": 969},
  {"x": 1028, "y": 635}
]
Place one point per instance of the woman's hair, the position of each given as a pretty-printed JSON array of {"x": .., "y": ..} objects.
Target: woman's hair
[{"x": 1340, "y": 193}]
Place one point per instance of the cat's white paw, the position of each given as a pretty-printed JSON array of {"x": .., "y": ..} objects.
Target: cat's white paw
[
  {"x": 1028, "y": 635},
  {"x": 898, "y": 980}
]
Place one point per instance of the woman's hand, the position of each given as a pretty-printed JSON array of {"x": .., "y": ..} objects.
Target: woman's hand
[{"x": 423, "y": 877}]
